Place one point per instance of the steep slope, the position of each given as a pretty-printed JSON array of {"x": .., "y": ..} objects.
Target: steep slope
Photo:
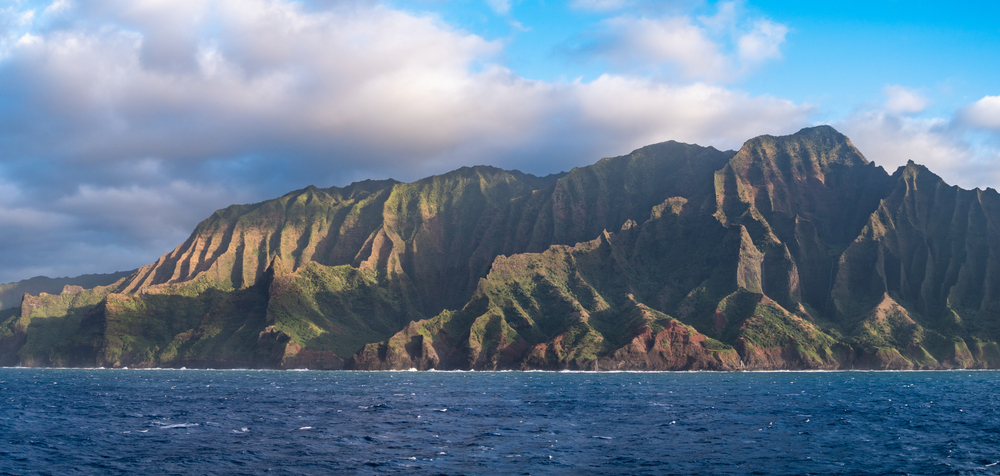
[
  {"x": 793, "y": 253},
  {"x": 609, "y": 303},
  {"x": 567, "y": 307},
  {"x": 420, "y": 247},
  {"x": 232, "y": 249},
  {"x": 934, "y": 249},
  {"x": 44, "y": 330},
  {"x": 751, "y": 268},
  {"x": 803, "y": 198}
]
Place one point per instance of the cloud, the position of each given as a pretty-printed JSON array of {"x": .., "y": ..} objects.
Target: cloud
[
  {"x": 598, "y": 5},
  {"x": 126, "y": 125},
  {"x": 762, "y": 43},
  {"x": 891, "y": 139},
  {"x": 717, "y": 48},
  {"x": 142, "y": 213},
  {"x": 500, "y": 6},
  {"x": 643, "y": 112},
  {"x": 901, "y": 100},
  {"x": 984, "y": 113},
  {"x": 637, "y": 42},
  {"x": 57, "y": 6},
  {"x": 276, "y": 77},
  {"x": 12, "y": 25}
]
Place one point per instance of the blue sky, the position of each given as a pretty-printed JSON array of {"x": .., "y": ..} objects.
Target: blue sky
[
  {"x": 836, "y": 55},
  {"x": 125, "y": 122}
]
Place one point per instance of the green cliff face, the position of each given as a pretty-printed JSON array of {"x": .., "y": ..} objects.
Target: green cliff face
[
  {"x": 12, "y": 293},
  {"x": 793, "y": 253}
]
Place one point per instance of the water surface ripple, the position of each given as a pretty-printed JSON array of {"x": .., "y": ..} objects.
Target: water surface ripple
[{"x": 75, "y": 421}]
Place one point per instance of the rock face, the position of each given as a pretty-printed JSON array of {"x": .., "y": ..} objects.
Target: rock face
[{"x": 793, "y": 253}]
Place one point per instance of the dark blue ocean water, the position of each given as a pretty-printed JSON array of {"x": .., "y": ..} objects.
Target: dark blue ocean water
[{"x": 255, "y": 422}]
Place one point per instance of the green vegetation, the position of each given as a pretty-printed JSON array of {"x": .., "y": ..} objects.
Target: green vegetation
[
  {"x": 11, "y": 293},
  {"x": 794, "y": 252}
]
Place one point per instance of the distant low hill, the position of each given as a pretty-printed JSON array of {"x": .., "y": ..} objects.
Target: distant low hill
[
  {"x": 11, "y": 293},
  {"x": 794, "y": 252}
]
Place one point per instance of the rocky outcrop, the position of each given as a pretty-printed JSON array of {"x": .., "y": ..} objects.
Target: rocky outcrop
[
  {"x": 676, "y": 347},
  {"x": 11, "y": 294},
  {"x": 793, "y": 253}
]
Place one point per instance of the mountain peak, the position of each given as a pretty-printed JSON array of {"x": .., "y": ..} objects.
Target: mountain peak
[
  {"x": 820, "y": 130},
  {"x": 811, "y": 257},
  {"x": 809, "y": 152},
  {"x": 913, "y": 172}
]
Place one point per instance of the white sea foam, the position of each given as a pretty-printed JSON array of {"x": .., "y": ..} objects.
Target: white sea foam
[{"x": 179, "y": 425}]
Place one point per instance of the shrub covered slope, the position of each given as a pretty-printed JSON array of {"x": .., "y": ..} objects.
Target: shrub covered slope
[{"x": 793, "y": 253}]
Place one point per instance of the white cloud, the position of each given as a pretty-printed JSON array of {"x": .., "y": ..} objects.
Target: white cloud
[
  {"x": 717, "y": 48},
  {"x": 500, "y": 6},
  {"x": 674, "y": 41},
  {"x": 276, "y": 77},
  {"x": 18, "y": 18},
  {"x": 901, "y": 100},
  {"x": 643, "y": 112},
  {"x": 984, "y": 113},
  {"x": 57, "y": 7},
  {"x": 598, "y": 5},
  {"x": 133, "y": 123},
  {"x": 965, "y": 156},
  {"x": 12, "y": 27},
  {"x": 763, "y": 42},
  {"x": 891, "y": 140},
  {"x": 27, "y": 40}
]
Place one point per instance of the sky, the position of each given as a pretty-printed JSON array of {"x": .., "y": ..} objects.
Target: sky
[{"x": 123, "y": 123}]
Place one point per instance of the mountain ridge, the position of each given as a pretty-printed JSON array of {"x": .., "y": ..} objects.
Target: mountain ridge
[{"x": 794, "y": 252}]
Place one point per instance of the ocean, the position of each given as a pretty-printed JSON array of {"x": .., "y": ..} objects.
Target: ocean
[{"x": 104, "y": 421}]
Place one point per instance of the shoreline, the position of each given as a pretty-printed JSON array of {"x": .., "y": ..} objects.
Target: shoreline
[{"x": 510, "y": 371}]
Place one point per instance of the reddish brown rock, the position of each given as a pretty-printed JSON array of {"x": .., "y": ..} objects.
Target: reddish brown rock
[{"x": 677, "y": 347}]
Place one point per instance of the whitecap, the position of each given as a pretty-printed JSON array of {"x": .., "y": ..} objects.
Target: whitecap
[{"x": 179, "y": 425}]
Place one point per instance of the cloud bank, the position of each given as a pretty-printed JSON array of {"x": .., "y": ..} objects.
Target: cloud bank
[
  {"x": 953, "y": 147},
  {"x": 125, "y": 122},
  {"x": 718, "y": 48}
]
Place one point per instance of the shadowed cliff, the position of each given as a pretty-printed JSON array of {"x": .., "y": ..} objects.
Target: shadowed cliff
[{"x": 793, "y": 253}]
